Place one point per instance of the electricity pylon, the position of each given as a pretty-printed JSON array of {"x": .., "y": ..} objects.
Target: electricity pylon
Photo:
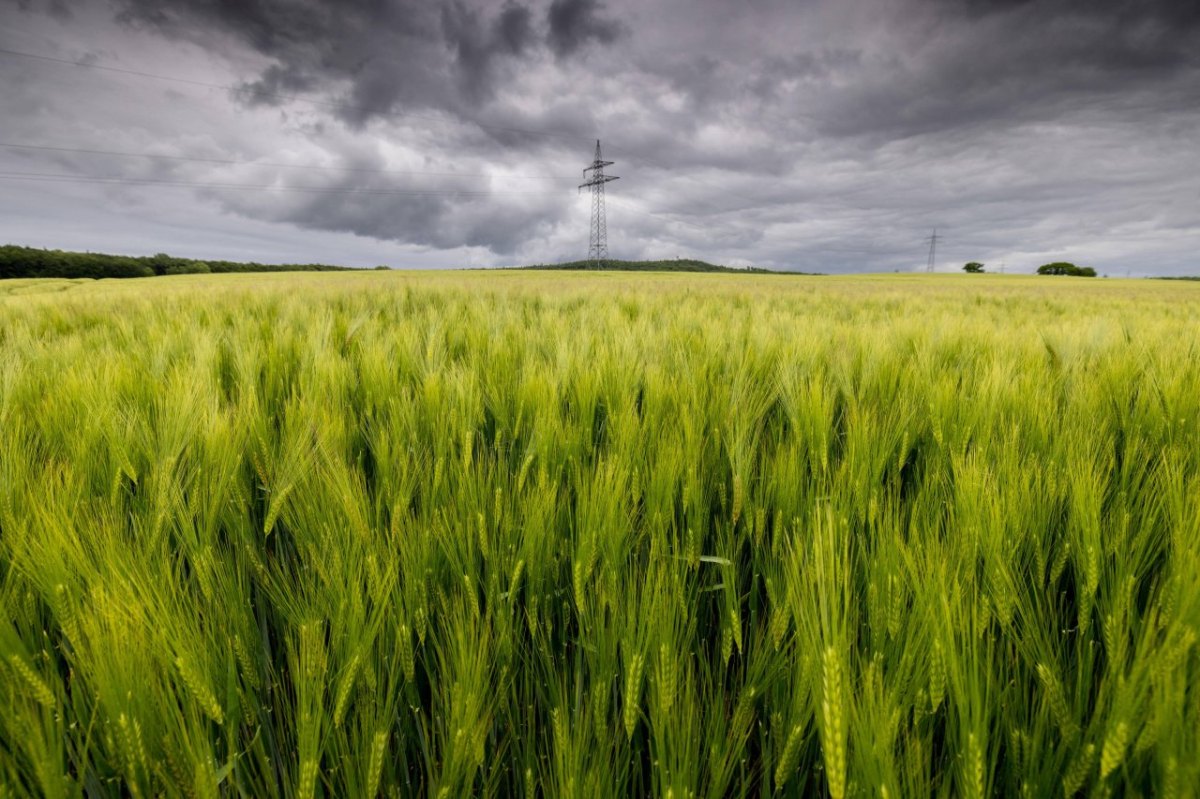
[
  {"x": 933, "y": 240},
  {"x": 598, "y": 244}
]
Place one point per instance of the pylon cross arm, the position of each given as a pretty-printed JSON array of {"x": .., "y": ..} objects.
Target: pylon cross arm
[{"x": 598, "y": 242}]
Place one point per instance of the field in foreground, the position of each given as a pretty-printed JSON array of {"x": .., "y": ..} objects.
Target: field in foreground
[{"x": 599, "y": 535}]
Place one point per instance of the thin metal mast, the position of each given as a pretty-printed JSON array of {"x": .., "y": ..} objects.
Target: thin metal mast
[
  {"x": 598, "y": 243},
  {"x": 933, "y": 240}
]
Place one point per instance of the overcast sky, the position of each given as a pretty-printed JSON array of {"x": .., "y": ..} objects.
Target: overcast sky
[{"x": 818, "y": 135}]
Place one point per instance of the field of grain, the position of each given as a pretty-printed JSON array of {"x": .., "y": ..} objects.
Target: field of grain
[{"x": 569, "y": 535}]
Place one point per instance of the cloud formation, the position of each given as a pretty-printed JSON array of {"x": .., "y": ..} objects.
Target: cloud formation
[
  {"x": 392, "y": 54},
  {"x": 575, "y": 23},
  {"x": 825, "y": 136}
]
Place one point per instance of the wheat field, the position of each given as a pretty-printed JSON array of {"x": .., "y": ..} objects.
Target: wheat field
[{"x": 571, "y": 535}]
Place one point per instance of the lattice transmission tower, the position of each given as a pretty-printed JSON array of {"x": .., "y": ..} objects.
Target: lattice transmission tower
[
  {"x": 598, "y": 244},
  {"x": 931, "y": 264}
]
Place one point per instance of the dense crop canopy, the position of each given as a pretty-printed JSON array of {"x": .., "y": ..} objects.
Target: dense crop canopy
[{"x": 599, "y": 535}]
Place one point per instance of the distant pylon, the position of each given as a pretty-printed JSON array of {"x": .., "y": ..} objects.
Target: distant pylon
[
  {"x": 598, "y": 244},
  {"x": 933, "y": 240}
]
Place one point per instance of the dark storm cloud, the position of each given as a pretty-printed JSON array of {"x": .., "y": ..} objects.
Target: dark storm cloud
[
  {"x": 443, "y": 222},
  {"x": 477, "y": 43},
  {"x": 1109, "y": 35},
  {"x": 56, "y": 8},
  {"x": 276, "y": 83},
  {"x": 953, "y": 64},
  {"x": 575, "y": 23},
  {"x": 1185, "y": 12},
  {"x": 514, "y": 29},
  {"x": 391, "y": 54},
  {"x": 825, "y": 135}
]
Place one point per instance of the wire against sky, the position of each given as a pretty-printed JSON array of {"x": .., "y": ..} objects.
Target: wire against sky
[
  {"x": 50, "y": 177},
  {"x": 245, "y": 89},
  {"x": 238, "y": 89},
  {"x": 307, "y": 167}
]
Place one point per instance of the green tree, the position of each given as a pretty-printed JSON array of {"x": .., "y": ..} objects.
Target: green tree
[
  {"x": 973, "y": 267},
  {"x": 182, "y": 266},
  {"x": 1064, "y": 268}
]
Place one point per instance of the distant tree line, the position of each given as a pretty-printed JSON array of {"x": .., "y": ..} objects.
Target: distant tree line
[
  {"x": 1064, "y": 268},
  {"x": 31, "y": 262},
  {"x": 1056, "y": 268},
  {"x": 669, "y": 265}
]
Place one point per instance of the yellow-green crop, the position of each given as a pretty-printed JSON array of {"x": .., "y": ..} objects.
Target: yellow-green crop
[{"x": 604, "y": 535}]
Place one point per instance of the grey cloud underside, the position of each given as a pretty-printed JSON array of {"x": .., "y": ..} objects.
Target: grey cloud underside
[
  {"x": 378, "y": 208},
  {"x": 574, "y": 23},
  {"x": 477, "y": 42},
  {"x": 1177, "y": 12},
  {"x": 926, "y": 65},
  {"x": 319, "y": 45},
  {"x": 442, "y": 223},
  {"x": 821, "y": 135},
  {"x": 403, "y": 55},
  {"x": 393, "y": 54},
  {"x": 60, "y": 9},
  {"x": 951, "y": 66}
]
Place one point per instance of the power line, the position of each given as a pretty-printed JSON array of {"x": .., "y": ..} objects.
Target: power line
[
  {"x": 243, "y": 89},
  {"x": 343, "y": 106},
  {"x": 36, "y": 177},
  {"x": 121, "y": 70},
  {"x": 326, "y": 104},
  {"x": 598, "y": 242},
  {"x": 671, "y": 217},
  {"x": 307, "y": 167},
  {"x": 50, "y": 177},
  {"x": 933, "y": 240}
]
